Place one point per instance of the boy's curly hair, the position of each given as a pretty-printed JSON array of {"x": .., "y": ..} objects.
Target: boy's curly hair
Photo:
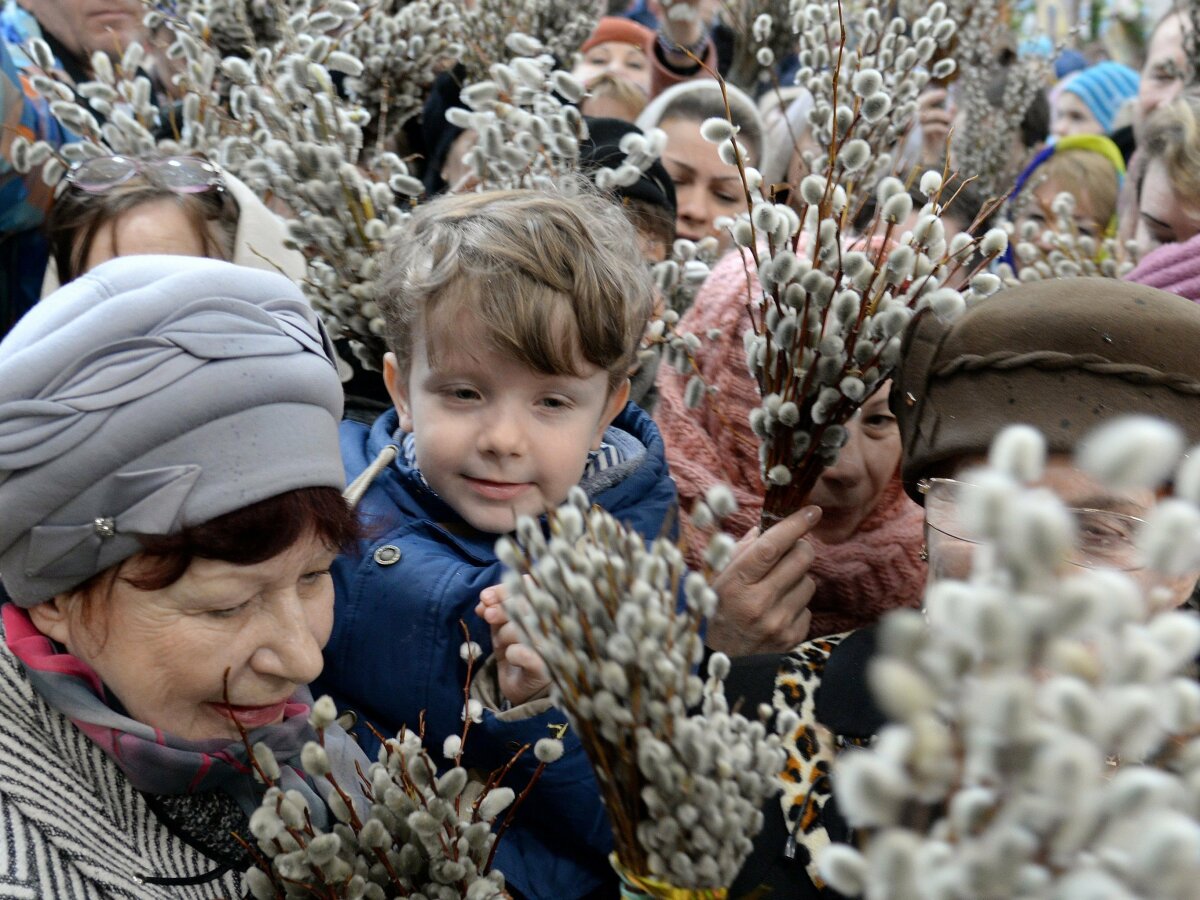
[{"x": 551, "y": 275}]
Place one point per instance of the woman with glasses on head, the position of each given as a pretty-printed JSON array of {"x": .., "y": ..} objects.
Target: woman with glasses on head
[
  {"x": 1062, "y": 356},
  {"x": 124, "y": 206}
]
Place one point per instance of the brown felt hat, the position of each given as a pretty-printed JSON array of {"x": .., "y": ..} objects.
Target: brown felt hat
[{"x": 1062, "y": 356}]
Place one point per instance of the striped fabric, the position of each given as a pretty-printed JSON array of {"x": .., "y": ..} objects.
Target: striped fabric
[{"x": 71, "y": 825}]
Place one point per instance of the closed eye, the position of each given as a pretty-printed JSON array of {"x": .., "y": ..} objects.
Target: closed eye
[{"x": 313, "y": 577}]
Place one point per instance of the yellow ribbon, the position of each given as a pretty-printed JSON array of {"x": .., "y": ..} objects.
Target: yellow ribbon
[{"x": 643, "y": 887}]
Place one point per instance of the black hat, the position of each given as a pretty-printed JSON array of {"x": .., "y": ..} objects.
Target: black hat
[
  {"x": 437, "y": 135},
  {"x": 602, "y": 150}
]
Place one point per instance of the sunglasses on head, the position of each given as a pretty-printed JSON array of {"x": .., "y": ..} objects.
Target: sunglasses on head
[{"x": 179, "y": 174}]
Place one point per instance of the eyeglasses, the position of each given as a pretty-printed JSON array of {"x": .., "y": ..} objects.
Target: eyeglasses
[
  {"x": 179, "y": 174},
  {"x": 1105, "y": 540}
]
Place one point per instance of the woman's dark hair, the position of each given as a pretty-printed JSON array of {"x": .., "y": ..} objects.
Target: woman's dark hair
[
  {"x": 249, "y": 535},
  {"x": 77, "y": 216},
  {"x": 244, "y": 537}
]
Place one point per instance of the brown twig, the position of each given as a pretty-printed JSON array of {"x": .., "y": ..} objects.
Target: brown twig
[{"x": 512, "y": 811}]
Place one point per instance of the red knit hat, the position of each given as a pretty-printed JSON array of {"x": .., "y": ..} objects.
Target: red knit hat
[{"x": 615, "y": 28}]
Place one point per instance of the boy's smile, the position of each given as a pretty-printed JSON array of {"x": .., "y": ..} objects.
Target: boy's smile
[
  {"x": 498, "y": 490},
  {"x": 495, "y": 438}
]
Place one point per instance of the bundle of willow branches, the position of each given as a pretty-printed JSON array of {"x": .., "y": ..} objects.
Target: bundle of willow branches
[
  {"x": 682, "y": 776},
  {"x": 831, "y": 304}
]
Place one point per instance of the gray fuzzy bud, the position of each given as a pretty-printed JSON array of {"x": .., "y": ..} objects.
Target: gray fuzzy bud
[
  {"x": 315, "y": 760},
  {"x": 337, "y": 61},
  {"x": 323, "y": 714},
  {"x": 876, "y": 107},
  {"x": 812, "y": 189},
  {"x": 53, "y": 171},
  {"x": 237, "y": 70},
  {"x": 779, "y": 475},
  {"x": 897, "y": 208},
  {"x": 568, "y": 86},
  {"x": 266, "y": 761},
  {"x": 452, "y": 783},
  {"x": 323, "y": 848},
  {"x": 866, "y": 82},
  {"x": 41, "y": 54},
  {"x": 548, "y": 750},
  {"x": 717, "y": 129},
  {"x": 720, "y": 499},
  {"x": 855, "y": 154},
  {"x": 495, "y": 802},
  {"x": 19, "y": 154}
]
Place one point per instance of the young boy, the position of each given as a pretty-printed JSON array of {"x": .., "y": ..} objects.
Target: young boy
[{"x": 513, "y": 319}]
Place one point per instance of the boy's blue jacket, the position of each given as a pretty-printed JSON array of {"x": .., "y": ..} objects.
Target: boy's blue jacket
[{"x": 394, "y": 652}]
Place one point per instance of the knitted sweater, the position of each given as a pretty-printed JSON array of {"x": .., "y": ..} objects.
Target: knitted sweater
[
  {"x": 73, "y": 825},
  {"x": 857, "y": 581},
  {"x": 1171, "y": 267}
]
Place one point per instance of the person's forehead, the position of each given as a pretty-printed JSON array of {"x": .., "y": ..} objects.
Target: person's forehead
[
  {"x": 1072, "y": 485},
  {"x": 1069, "y": 100},
  {"x": 1166, "y": 42},
  {"x": 620, "y": 47},
  {"x": 1077, "y": 488}
]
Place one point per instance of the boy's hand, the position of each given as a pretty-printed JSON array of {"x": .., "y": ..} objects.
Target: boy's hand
[
  {"x": 521, "y": 671},
  {"x": 764, "y": 592}
]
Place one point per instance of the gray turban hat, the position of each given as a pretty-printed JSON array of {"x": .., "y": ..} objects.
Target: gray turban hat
[{"x": 153, "y": 394}]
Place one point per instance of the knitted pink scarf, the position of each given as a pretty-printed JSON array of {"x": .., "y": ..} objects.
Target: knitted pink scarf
[
  {"x": 1171, "y": 267},
  {"x": 878, "y": 569}
]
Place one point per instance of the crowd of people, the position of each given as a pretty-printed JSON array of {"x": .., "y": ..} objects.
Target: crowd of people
[{"x": 177, "y": 426}]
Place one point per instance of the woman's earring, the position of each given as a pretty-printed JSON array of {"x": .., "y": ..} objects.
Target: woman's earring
[{"x": 924, "y": 554}]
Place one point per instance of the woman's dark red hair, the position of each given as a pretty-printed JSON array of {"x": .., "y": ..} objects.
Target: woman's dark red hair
[{"x": 249, "y": 535}]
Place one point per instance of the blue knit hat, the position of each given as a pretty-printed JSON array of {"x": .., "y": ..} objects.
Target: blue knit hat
[
  {"x": 1068, "y": 63},
  {"x": 1103, "y": 88}
]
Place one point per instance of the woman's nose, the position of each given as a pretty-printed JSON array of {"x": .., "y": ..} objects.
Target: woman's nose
[
  {"x": 848, "y": 469},
  {"x": 293, "y": 640},
  {"x": 692, "y": 209}
]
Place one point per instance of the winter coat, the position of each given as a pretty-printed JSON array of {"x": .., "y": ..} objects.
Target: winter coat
[
  {"x": 394, "y": 653},
  {"x": 75, "y": 827},
  {"x": 24, "y": 198}
]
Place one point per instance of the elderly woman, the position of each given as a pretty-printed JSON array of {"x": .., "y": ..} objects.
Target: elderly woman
[
  {"x": 1118, "y": 350},
  {"x": 169, "y": 507}
]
